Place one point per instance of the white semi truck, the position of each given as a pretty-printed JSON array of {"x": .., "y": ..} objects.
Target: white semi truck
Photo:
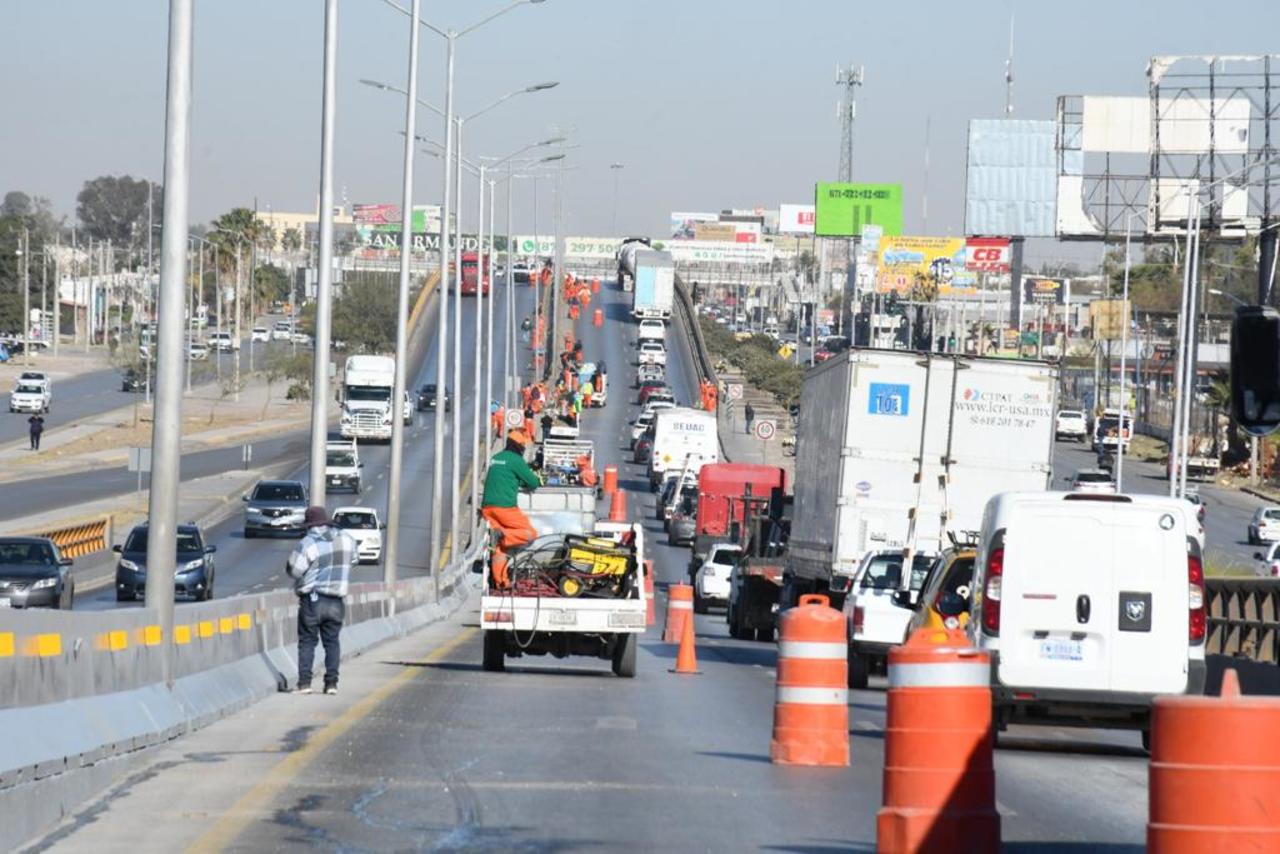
[
  {"x": 898, "y": 449},
  {"x": 655, "y": 284},
  {"x": 367, "y": 410}
]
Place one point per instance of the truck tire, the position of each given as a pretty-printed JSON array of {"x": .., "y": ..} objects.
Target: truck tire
[
  {"x": 859, "y": 669},
  {"x": 495, "y": 654},
  {"x": 624, "y": 656},
  {"x": 764, "y": 635}
]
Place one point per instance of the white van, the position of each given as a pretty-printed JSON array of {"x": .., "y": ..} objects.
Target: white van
[
  {"x": 1091, "y": 605},
  {"x": 680, "y": 433}
]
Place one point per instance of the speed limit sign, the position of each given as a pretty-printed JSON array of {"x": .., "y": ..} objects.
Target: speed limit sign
[
  {"x": 515, "y": 419},
  {"x": 766, "y": 430}
]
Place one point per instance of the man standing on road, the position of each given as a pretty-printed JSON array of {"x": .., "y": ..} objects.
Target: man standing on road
[
  {"x": 320, "y": 566},
  {"x": 508, "y": 474},
  {"x": 750, "y": 414},
  {"x": 37, "y": 427}
]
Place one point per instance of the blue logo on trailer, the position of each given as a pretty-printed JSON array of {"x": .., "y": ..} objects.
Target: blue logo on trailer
[{"x": 889, "y": 399}]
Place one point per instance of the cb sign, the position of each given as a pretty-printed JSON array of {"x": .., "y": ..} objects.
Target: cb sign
[{"x": 987, "y": 254}]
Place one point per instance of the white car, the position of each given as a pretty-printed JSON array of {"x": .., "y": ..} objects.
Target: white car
[
  {"x": 362, "y": 524},
  {"x": 408, "y": 409},
  {"x": 197, "y": 351},
  {"x": 1096, "y": 482},
  {"x": 651, "y": 330},
  {"x": 711, "y": 580},
  {"x": 1268, "y": 562},
  {"x": 641, "y": 422},
  {"x": 877, "y": 614},
  {"x": 653, "y": 353},
  {"x": 304, "y": 338},
  {"x": 1090, "y": 607},
  {"x": 1071, "y": 424},
  {"x": 30, "y": 397},
  {"x": 281, "y": 331},
  {"x": 1265, "y": 526},
  {"x": 223, "y": 342},
  {"x": 259, "y": 334}
]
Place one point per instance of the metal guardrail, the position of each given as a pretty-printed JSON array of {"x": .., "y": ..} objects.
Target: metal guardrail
[
  {"x": 1244, "y": 618},
  {"x": 688, "y": 317}
]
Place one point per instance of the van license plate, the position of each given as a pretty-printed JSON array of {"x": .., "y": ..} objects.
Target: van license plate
[
  {"x": 1062, "y": 650},
  {"x": 562, "y": 618}
]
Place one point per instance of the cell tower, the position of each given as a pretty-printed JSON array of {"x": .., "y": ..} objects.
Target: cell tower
[
  {"x": 846, "y": 109},
  {"x": 1008, "y": 74}
]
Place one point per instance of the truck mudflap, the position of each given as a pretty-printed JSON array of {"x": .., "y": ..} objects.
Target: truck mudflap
[{"x": 754, "y": 602}]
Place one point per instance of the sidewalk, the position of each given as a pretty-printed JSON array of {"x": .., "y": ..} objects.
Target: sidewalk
[
  {"x": 742, "y": 447},
  {"x": 72, "y": 361}
]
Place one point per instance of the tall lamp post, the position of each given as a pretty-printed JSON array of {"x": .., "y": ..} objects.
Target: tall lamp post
[{"x": 616, "y": 169}]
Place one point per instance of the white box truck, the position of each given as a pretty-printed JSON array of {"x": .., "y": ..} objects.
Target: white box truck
[
  {"x": 899, "y": 448},
  {"x": 680, "y": 435},
  {"x": 655, "y": 285},
  {"x": 367, "y": 409}
]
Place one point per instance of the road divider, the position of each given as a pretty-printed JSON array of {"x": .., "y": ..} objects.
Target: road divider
[
  {"x": 939, "y": 780},
  {"x": 811, "y": 709},
  {"x": 79, "y": 538}
]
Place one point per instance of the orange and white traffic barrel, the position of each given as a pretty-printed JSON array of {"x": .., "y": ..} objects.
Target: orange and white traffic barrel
[
  {"x": 650, "y": 607},
  {"x": 811, "y": 709},
  {"x": 939, "y": 783},
  {"x": 610, "y": 479},
  {"x": 679, "y": 609},
  {"x": 1215, "y": 773}
]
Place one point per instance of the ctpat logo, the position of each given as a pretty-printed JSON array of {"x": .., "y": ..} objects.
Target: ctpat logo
[{"x": 972, "y": 394}]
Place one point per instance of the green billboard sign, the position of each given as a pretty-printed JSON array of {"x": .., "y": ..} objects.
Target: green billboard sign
[{"x": 843, "y": 209}]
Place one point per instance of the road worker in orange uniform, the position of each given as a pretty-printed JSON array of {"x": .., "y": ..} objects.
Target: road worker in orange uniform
[{"x": 508, "y": 473}]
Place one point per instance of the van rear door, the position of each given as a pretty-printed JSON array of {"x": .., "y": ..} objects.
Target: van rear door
[{"x": 1094, "y": 596}]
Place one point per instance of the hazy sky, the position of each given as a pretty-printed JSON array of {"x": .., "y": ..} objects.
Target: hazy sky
[{"x": 708, "y": 103}]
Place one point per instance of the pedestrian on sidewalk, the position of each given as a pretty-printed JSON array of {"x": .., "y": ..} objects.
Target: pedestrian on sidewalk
[
  {"x": 750, "y": 414},
  {"x": 37, "y": 427},
  {"x": 320, "y": 567}
]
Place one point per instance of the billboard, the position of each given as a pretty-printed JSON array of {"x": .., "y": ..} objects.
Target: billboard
[
  {"x": 795, "y": 219},
  {"x": 590, "y": 247},
  {"x": 933, "y": 260},
  {"x": 1046, "y": 290},
  {"x": 841, "y": 210},
  {"x": 1011, "y": 178},
  {"x": 682, "y": 222},
  {"x": 988, "y": 254},
  {"x": 719, "y": 252},
  {"x": 727, "y": 232},
  {"x": 527, "y": 244},
  {"x": 377, "y": 226},
  {"x": 1106, "y": 318}
]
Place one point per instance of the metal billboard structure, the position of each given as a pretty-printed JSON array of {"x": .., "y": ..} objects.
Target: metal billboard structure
[{"x": 1208, "y": 126}]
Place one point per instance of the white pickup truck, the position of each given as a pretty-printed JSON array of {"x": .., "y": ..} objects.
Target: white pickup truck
[
  {"x": 876, "y": 622},
  {"x": 31, "y": 397},
  {"x": 556, "y": 612},
  {"x": 653, "y": 353}
]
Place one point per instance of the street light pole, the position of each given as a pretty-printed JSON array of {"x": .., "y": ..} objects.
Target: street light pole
[
  {"x": 615, "y": 168},
  {"x": 324, "y": 276},
  {"x": 455, "y": 491},
  {"x": 442, "y": 326},
  {"x": 1124, "y": 347},
  {"x": 392, "y": 546},
  {"x": 25, "y": 252},
  {"x": 167, "y": 418},
  {"x": 482, "y": 269}
]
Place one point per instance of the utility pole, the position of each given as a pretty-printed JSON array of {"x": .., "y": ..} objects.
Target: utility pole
[
  {"x": 442, "y": 327},
  {"x": 26, "y": 295},
  {"x": 616, "y": 168},
  {"x": 166, "y": 431},
  {"x": 57, "y": 292},
  {"x": 849, "y": 80},
  {"x": 1008, "y": 73}
]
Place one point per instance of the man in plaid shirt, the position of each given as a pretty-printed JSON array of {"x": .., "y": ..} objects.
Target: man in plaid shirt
[{"x": 319, "y": 567}]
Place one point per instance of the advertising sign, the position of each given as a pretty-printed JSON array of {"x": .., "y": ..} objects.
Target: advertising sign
[
  {"x": 543, "y": 245},
  {"x": 841, "y": 210},
  {"x": 1106, "y": 317},
  {"x": 987, "y": 254},
  {"x": 682, "y": 222},
  {"x": 871, "y": 235},
  {"x": 1044, "y": 290},
  {"x": 795, "y": 219},
  {"x": 906, "y": 260},
  {"x": 719, "y": 252},
  {"x": 590, "y": 247}
]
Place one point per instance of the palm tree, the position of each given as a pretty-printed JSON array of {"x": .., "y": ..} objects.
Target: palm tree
[{"x": 291, "y": 240}]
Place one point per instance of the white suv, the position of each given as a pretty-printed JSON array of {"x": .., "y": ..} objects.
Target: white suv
[
  {"x": 1071, "y": 424},
  {"x": 1264, "y": 527},
  {"x": 711, "y": 580}
]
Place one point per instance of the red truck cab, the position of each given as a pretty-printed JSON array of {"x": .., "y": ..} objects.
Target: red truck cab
[
  {"x": 471, "y": 271},
  {"x": 728, "y": 493}
]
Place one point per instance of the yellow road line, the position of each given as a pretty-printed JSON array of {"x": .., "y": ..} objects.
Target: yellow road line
[{"x": 252, "y": 803}]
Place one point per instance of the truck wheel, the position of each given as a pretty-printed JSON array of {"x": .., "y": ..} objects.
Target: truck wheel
[
  {"x": 859, "y": 669},
  {"x": 495, "y": 654},
  {"x": 764, "y": 635},
  {"x": 624, "y": 656}
]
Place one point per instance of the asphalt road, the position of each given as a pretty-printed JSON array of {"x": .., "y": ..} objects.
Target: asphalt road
[
  {"x": 558, "y": 755},
  {"x": 251, "y": 566}
]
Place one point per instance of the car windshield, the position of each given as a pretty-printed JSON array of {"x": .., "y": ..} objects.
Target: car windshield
[
  {"x": 884, "y": 572},
  {"x": 188, "y": 541},
  {"x": 26, "y": 554},
  {"x": 428, "y": 389},
  {"x": 29, "y": 389},
  {"x": 725, "y": 557},
  {"x": 1093, "y": 477},
  {"x": 356, "y": 521},
  {"x": 340, "y": 458},
  {"x": 368, "y": 392},
  {"x": 278, "y": 492},
  {"x": 1271, "y": 514}
]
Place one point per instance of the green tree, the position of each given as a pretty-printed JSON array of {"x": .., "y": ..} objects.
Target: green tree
[
  {"x": 271, "y": 283},
  {"x": 114, "y": 207},
  {"x": 291, "y": 240}
]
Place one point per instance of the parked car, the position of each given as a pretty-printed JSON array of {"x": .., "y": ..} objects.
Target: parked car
[
  {"x": 275, "y": 506},
  {"x": 194, "y": 572},
  {"x": 427, "y": 398},
  {"x": 362, "y": 524},
  {"x": 877, "y": 612},
  {"x": 1071, "y": 424},
  {"x": 34, "y": 574},
  {"x": 259, "y": 334},
  {"x": 1265, "y": 526},
  {"x": 711, "y": 580}
]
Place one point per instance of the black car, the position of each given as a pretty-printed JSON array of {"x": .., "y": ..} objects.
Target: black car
[
  {"x": 34, "y": 574},
  {"x": 132, "y": 380},
  {"x": 427, "y": 398},
  {"x": 193, "y": 572},
  {"x": 275, "y": 505}
]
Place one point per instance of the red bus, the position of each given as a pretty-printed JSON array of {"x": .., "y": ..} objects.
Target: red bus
[{"x": 470, "y": 267}]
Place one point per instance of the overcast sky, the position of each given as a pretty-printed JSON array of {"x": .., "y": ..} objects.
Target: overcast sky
[{"x": 709, "y": 104}]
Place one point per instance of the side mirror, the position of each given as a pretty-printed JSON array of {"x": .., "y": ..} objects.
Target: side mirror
[
  {"x": 382, "y": 526},
  {"x": 360, "y": 465},
  {"x": 1256, "y": 555},
  {"x": 1255, "y": 369},
  {"x": 904, "y": 599},
  {"x": 118, "y": 548},
  {"x": 65, "y": 561},
  {"x": 210, "y": 549},
  {"x": 951, "y": 605},
  {"x": 244, "y": 498}
]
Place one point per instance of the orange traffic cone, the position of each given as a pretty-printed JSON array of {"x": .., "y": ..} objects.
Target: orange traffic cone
[
  {"x": 618, "y": 506},
  {"x": 610, "y": 479},
  {"x": 686, "y": 658},
  {"x": 597, "y": 318}
]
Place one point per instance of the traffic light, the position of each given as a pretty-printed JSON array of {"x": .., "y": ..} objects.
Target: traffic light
[{"x": 1255, "y": 369}]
